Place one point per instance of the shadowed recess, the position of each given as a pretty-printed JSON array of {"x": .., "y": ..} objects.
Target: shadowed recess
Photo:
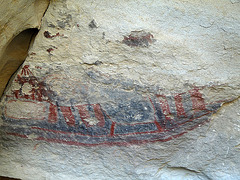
[
  {"x": 7, "y": 178},
  {"x": 14, "y": 55}
]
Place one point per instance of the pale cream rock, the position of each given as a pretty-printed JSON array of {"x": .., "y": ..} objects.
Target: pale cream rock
[
  {"x": 92, "y": 121},
  {"x": 26, "y": 110},
  {"x": 194, "y": 42},
  {"x": 16, "y": 20}
]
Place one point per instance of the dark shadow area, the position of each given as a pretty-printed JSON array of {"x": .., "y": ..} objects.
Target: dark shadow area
[
  {"x": 14, "y": 55},
  {"x": 7, "y": 178}
]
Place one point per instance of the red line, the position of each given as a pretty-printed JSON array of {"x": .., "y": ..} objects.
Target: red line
[
  {"x": 179, "y": 105},
  {"x": 52, "y": 116},
  {"x": 103, "y": 143},
  {"x": 108, "y": 143},
  {"x": 160, "y": 129},
  {"x": 84, "y": 114},
  {"x": 169, "y": 129},
  {"x": 197, "y": 100},
  {"x": 99, "y": 115},
  {"x": 196, "y": 126},
  {"x": 112, "y": 129},
  {"x": 166, "y": 109},
  {"x": 156, "y": 123},
  {"x": 128, "y": 124},
  {"x": 64, "y": 132},
  {"x": 190, "y": 120},
  {"x": 70, "y": 133},
  {"x": 19, "y": 135},
  {"x": 68, "y": 116},
  {"x": 146, "y": 132},
  {"x": 178, "y": 135}
]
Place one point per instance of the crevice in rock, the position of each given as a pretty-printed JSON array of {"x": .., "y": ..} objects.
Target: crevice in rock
[
  {"x": 227, "y": 103},
  {"x": 185, "y": 169},
  {"x": 46, "y": 10}
]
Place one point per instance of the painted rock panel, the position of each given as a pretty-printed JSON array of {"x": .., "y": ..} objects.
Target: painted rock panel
[
  {"x": 95, "y": 114},
  {"x": 133, "y": 89}
]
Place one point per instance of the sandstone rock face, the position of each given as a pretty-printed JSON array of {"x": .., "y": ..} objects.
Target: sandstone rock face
[
  {"x": 19, "y": 21},
  {"x": 127, "y": 90}
]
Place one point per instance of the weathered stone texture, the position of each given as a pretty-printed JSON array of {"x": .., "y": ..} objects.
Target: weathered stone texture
[
  {"x": 19, "y": 21},
  {"x": 127, "y": 90}
]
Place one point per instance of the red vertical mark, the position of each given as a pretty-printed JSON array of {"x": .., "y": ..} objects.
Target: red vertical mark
[
  {"x": 112, "y": 129},
  {"x": 165, "y": 109},
  {"x": 99, "y": 114},
  {"x": 16, "y": 93},
  {"x": 52, "y": 116},
  {"x": 26, "y": 96},
  {"x": 158, "y": 126},
  {"x": 68, "y": 116},
  {"x": 179, "y": 105},
  {"x": 25, "y": 71},
  {"x": 156, "y": 123},
  {"x": 197, "y": 100},
  {"x": 32, "y": 96}
]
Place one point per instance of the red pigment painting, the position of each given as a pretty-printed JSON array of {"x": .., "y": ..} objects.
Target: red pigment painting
[{"x": 135, "y": 120}]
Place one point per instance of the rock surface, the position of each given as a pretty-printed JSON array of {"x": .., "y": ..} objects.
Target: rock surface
[
  {"x": 127, "y": 90},
  {"x": 19, "y": 22}
]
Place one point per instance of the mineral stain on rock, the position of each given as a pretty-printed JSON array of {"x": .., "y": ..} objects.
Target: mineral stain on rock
[
  {"x": 138, "y": 38},
  {"x": 47, "y": 34},
  {"x": 49, "y": 50}
]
